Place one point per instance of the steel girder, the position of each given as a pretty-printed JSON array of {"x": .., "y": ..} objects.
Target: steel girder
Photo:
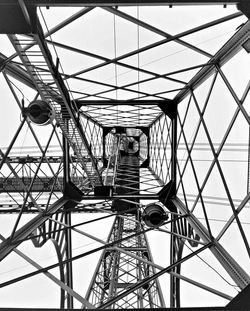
[
  {"x": 124, "y": 266},
  {"x": 206, "y": 74},
  {"x": 119, "y": 2}
]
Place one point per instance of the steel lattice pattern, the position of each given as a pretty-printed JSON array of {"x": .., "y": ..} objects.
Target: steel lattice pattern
[
  {"x": 125, "y": 116},
  {"x": 124, "y": 134},
  {"x": 118, "y": 271},
  {"x": 160, "y": 148}
]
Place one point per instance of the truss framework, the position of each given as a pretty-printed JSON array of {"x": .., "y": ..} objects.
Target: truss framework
[{"x": 175, "y": 157}]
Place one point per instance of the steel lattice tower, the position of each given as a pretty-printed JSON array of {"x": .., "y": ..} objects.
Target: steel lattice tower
[
  {"x": 161, "y": 148},
  {"x": 122, "y": 268}
]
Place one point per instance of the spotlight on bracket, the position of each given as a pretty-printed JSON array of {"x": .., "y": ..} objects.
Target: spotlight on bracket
[
  {"x": 154, "y": 215},
  {"x": 39, "y": 112}
]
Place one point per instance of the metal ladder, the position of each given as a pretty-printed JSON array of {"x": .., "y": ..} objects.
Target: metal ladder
[
  {"x": 111, "y": 171},
  {"x": 49, "y": 84}
]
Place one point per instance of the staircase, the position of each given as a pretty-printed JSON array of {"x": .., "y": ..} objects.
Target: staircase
[{"x": 50, "y": 85}]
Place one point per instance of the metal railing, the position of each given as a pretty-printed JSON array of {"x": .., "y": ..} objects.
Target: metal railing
[
  {"x": 111, "y": 171},
  {"x": 49, "y": 84}
]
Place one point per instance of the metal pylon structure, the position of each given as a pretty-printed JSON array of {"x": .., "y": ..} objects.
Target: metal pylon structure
[
  {"x": 122, "y": 268},
  {"x": 124, "y": 154}
]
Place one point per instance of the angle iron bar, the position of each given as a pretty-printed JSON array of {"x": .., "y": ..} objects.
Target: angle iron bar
[
  {"x": 174, "y": 37},
  {"x": 222, "y": 178},
  {"x": 7, "y": 246},
  {"x": 222, "y": 143},
  {"x": 108, "y": 61},
  {"x": 112, "y": 86},
  {"x": 200, "y": 285},
  {"x": 99, "y": 263},
  {"x": 232, "y": 47},
  {"x": 232, "y": 218},
  {"x": 81, "y": 3},
  {"x": 51, "y": 276},
  {"x": 19, "y": 180},
  {"x": 64, "y": 261},
  {"x": 54, "y": 29},
  {"x": 233, "y": 93},
  {"x": 5, "y": 155},
  {"x": 190, "y": 160},
  {"x": 162, "y": 300},
  {"x": 35, "y": 223},
  {"x": 235, "y": 271},
  {"x": 161, "y": 94},
  {"x": 168, "y": 40},
  {"x": 119, "y": 249},
  {"x": 198, "y": 126},
  {"x": 124, "y": 196},
  {"x": 173, "y": 161},
  {"x": 30, "y": 186},
  {"x": 67, "y": 21},
  {"x": 68, "y": 255},
  {"x": 62, "y": 277},
  {"x": 181, "y": 236},
  {"x": 115, "y": 102},
  {"x": 62, "y": 229}
]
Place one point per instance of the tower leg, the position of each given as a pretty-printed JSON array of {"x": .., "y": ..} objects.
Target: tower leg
[{"x": 117, "y": 271}]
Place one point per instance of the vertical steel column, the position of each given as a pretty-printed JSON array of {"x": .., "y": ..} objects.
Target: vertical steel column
[
  {"x": 66, "y": 162},
  {"x": 174, "y": 144},
  {"x": 117, "y": 271},
  {"x": 176, "y": 244},
  {"x": 68, "y": 239},
  {"x": 174, "y": 256},
  {"x": 68, "y": 265}
]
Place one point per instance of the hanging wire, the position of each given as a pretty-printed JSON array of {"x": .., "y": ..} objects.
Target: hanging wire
[
  {"x": 46, "y": 258},
  {"x": 248, "y": 166},
  {"x": 138, "y": 61},
  {"x": 156, "y": 60},
  {"x": 115, "y": 52},
  {"x": 217, "y": 272},
  {"x": 23, "y": 96},
  {"x": 116, "y": 73}
]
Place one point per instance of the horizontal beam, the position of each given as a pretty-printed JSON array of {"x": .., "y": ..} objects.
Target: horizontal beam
[
  {"x": 40, "y": 184},
  {"x": 91, "y": 3},
  {"x": 81, "y": 103},
  {"x": 38, "y": 159},
  {"x": 15, "y": 209},
  {"x": 122, "y": 196}
]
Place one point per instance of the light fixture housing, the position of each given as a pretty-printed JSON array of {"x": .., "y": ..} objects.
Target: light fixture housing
[{"x": 154, "y": 215}]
